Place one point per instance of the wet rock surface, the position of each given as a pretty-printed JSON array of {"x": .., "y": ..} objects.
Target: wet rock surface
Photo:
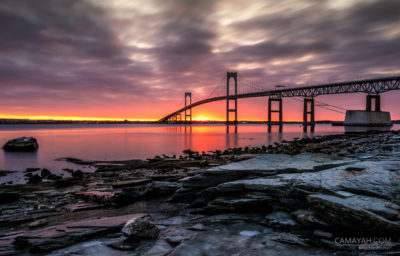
[
  {"x": 22, "y": 144},
  {"x": 304, "y": 197},
  {"x": 54, "y": 237}
]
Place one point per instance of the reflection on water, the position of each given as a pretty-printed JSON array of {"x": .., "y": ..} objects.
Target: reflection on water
[
  {"x": 23, "y": 158},
  {"x": 231, "y": 140},
  {"x": 129, "y": 141},
  {"x": 367, "y": 128}
]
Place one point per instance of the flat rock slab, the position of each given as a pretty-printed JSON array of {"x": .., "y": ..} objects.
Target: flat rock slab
[
  {"x": 274, "y": 186},
  {"x": 379, "y": 179},
  {"x": 105, "y": 222},
  {"x": 82, "y": 207},
  {"x": 264, "y": 165},
  {"x": 275, "y": 162},
  {"x": 54, "y": 237},
  {"x": 97, "y": 195},
  {"x": 6, "y": 242},
  {"x": 245, "y": 239},
  {"x": 129, "y": 183},
  {"x": 244, "y": 203},
  {"x": 96, "y": 247},
  {"x": 359, "y": 213}
]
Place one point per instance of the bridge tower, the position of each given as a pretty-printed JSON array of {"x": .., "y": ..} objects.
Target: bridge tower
[
  {"x": 188, "y": 95},
  {"x": 229, "y": 98},
  {"x": 308, "y": 114},
  {"x": 377, "y": 99},
  {"x": 271, "y": 99}
]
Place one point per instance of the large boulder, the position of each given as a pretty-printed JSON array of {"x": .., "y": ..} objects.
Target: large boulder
[{"x": 22, "y": 144}]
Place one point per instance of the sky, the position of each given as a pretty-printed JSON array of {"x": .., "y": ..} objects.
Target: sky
[{"x": 126, "y": 59}]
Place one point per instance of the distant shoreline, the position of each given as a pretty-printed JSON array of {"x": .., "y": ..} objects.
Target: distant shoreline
[{"x": 28, "y": 121}]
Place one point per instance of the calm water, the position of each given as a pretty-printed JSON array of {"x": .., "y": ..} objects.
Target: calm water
[{"x": 128, "y": 141}]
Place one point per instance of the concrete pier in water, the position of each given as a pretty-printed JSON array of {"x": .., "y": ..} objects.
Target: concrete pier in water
[{"x": 369, "y": 119}]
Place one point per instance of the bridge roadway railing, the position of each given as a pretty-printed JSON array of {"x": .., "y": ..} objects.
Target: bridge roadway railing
[{"x": 370, "y": 86}]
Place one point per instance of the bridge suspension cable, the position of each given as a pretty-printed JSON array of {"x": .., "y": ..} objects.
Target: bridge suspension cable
[
  {"x": 324, "y": 106},
  {"x": 219, "y": 89},
  {"x": 246, "y": 86},
  {"x": 329, "y": 105}
]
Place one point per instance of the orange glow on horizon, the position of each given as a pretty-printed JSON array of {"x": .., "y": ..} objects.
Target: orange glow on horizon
[
  {"x": 199, "y": 117},
  {"x": 71, "y": 118},
  {"x": 254, "y": 109}
]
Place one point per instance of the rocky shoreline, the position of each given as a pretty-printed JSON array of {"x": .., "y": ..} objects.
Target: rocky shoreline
[{"x": 336, "y": 194}]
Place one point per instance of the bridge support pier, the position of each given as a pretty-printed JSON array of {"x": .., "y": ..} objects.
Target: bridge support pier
[
  {"x": 229, "y": 98},
  {"x": 188, "y": 110},
  {"x": 370, "y": 119},
  {"x": 308, "y": 114},
  {"x": 272, "y": 99},
  {"x": 377, "y": 99}
]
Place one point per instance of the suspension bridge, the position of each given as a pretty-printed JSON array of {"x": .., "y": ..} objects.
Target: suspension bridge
[{"x": 243, "y": 89}]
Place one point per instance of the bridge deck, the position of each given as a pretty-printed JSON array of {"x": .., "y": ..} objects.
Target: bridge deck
[{"x": 374, "y": 86}]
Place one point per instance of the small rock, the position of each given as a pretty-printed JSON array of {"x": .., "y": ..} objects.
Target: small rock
[
  {"x": 198, "y": 227},
  {"x": 129, "y": 195},
  {"x": 37, "y": 223},
  {"x": 63, "y": 183},
  {"x": 308, "y": 218},
  {"x": 124, "y": 244},
  {"x": 288, "y": 238},
  {"x": 140, "y": 228},
  {"x": 249, "y": 233},
  {"x": 203, "y": 163},
  {"x": 53, "y": 177},
  {"x": 77, "y": 174},
  {"x": 4, "y": 173},
  {"x": 34, "y": 179},
  {"x": 280, "y": 220},
  {"x": 32, "y": 169},
  {"x": 45, "y": 173},
  {"x": 323, "y": 234},
  {"x": 176, "y": 236}
]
